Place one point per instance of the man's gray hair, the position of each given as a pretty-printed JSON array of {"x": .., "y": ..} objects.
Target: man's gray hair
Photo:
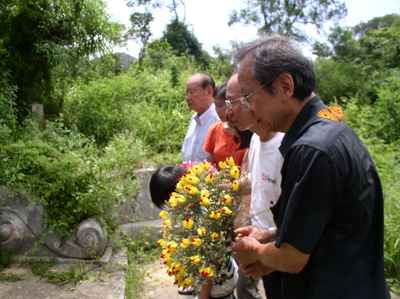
[{"x": 277, "y": 54}]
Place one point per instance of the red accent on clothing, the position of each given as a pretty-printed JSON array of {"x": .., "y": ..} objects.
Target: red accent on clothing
[{"x": 221, "y": 145}]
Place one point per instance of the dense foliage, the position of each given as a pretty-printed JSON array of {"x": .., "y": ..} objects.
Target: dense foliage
[
  {"x": 65, "y": 171},
  {"x": 36, "y": 36}
]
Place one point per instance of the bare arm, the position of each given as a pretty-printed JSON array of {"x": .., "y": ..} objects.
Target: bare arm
[
  {"x": 243, "y": 216},
  {"x": 285, "y": 258},
  {"x": 205, "y": 290}
]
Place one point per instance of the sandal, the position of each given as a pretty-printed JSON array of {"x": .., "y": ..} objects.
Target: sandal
[{"x": 186, "y": 291}]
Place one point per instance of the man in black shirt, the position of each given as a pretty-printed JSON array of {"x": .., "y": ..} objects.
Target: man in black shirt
[{"x": 329, "y": 239}]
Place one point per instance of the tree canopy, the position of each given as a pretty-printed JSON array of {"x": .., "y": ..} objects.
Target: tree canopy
[
  {"x": 285, "y": 16},
  {"x": 38, "y": 35}
]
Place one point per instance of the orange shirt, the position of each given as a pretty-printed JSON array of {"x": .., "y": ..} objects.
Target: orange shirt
[{"x": 221, "y": 145}]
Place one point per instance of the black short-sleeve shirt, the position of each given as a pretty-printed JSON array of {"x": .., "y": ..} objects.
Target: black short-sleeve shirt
[{"x": 331, "y": 208}]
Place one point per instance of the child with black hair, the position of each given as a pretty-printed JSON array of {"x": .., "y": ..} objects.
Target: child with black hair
[{"x": 162, "y": 184}]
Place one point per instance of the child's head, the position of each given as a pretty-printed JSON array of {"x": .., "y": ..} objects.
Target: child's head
[
  {"x": 219, "y": 101},
  {"x": 163, "y": 182}
]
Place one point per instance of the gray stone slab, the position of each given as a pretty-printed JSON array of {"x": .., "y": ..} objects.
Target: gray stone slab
[
  {"x": 139, "y": 208},
  {"x": 149, "y": 230},
  {"x": 108, "y": 282}
]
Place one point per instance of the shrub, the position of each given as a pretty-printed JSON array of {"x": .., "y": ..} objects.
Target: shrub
[
  {"x": 162, "y": 130},
  {"x": 65, "y": 172},
  {"x": 143, "y": 103},
  {"x": 381, "y": 119},
  {"x": 337, "y": 80}
]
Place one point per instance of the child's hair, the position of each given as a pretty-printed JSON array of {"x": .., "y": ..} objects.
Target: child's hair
[
  {"x": 220, "y": 91},
  {"x": 163, "y": 182}
]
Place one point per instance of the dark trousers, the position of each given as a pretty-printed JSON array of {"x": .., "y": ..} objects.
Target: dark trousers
[{"x": 272, "y": 285}]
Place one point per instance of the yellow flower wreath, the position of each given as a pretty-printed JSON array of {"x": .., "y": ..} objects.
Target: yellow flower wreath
[{"x": 198, "y": 223}]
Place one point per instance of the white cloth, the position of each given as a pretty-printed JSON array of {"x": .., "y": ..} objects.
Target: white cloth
[
  {"x": 228, "y": 286},
  {"x": 192, "y": 147},
  {"x": 265, "y": 163}
]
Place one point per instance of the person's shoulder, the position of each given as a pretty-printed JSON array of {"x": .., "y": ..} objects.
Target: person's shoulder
[
  {"x": 217, "y": 126},
  {"x": 323, "y": 134}
]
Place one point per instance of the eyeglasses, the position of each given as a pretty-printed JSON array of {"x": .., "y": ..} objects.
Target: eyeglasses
[{"x": 243, "y": 100}]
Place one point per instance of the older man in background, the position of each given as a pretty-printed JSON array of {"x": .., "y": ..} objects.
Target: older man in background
[{"x": 199, "y": 97}]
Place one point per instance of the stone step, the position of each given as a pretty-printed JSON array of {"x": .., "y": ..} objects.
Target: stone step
[
  {"x": 149, "y": 230},
  {"x": 106, "y": 282}
]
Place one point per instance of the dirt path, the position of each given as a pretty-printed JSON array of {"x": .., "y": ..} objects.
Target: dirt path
[{"x": 157, "y": 284}]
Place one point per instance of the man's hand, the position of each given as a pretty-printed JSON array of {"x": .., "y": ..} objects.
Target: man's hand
[
  {"x": 261, "y": 235},
  {"x": 256, "y": 270},
  {"x": 246, "y": 250}
]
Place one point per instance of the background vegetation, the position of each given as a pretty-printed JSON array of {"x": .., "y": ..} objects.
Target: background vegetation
[{"x": 104, "y": 119}]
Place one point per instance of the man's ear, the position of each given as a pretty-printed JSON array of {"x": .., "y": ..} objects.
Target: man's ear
[
  {"x": 210, "y": 90},
  {"x": 285, "y": 84}
]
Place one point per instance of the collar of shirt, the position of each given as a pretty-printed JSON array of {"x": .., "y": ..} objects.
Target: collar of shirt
[
  {"x": 306, "y": 117},
  {"x": 200, "y": 119}
]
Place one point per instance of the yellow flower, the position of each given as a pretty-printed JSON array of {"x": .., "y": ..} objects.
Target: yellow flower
[
  {"x": 192, "y": 179},
  {"x": 235, "y": 185},
  {"x": 176, "y": 268},
  {"x": 187, "y": 282},
  {"x": 222, "y": 165},
  {"x": 226, "y": 211},
  {"x": 185, "y": 243},
  {"x": 209, "y": 178},
  {"x": 215, "y": 215},
  {"x": 202, "y": 231},
  {"x": 207, "y": 272},
  {"x": 206, "y": 165},
  {"x": 204, "y": 201},
  {"x": 230, "y": 161},
  {"x": 167, "y": 223},
  {"x": 196, "y": 242},
  {"x": 180, "y": 186},
  {"x": 173, "y": 202},
  {"x": 187, "y": 223},
  {"x": 165, "y": 255},
  {"x": 197, "y": 169},
  {"x": 195, "y": 259},
  {"x": 171, "y": 246},
  {"x": 167, "y": 261},
  {"x": 161, "y": 243},
  {"x": 181, "y": 199},
  {"x": 215, "y": 236},
  {"x": 227, "y": 199},
  {"x": 334, "y": 113},
  {"x": 204, "y": 192},
  {"x": 163, "y": 214},
  {"x": 181, "y": 274},
  {"x": 192, "y": 190},
  {"x": 235, "y": 172}
]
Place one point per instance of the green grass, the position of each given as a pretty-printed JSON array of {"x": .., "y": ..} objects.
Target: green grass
[
  {"x": 140, "y": 253},
  {"x": 7, "y": 277},
  {"x": 74, "y": 274}
]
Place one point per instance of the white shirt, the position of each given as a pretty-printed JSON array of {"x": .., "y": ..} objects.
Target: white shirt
[
  {"x": 265, "y": 163},
  {"x": 192, "y": 147}
]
